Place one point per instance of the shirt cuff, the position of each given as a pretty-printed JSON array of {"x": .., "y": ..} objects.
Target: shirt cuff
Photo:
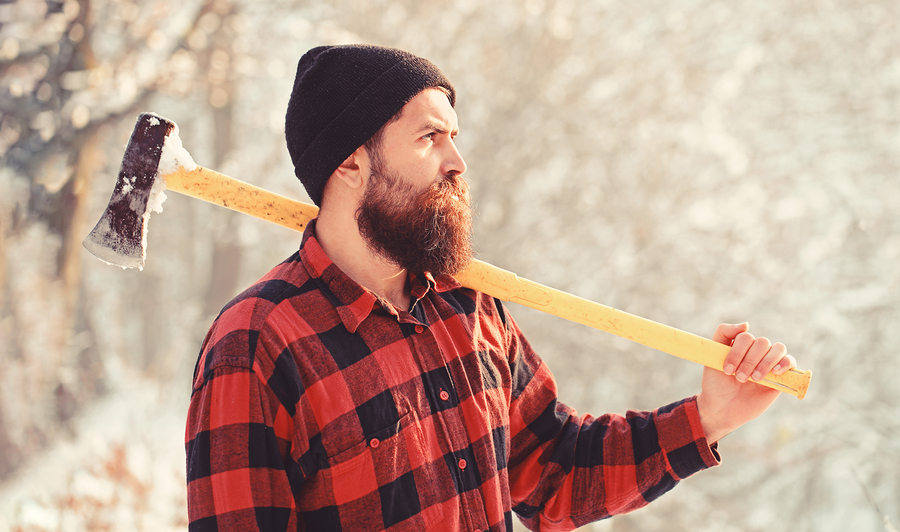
[
  {"x": 711, "y": 456},
  {"x": 682, "y": 438}
]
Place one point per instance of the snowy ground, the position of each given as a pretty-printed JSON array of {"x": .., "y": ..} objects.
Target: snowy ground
[{"x": 121, "y": 469}]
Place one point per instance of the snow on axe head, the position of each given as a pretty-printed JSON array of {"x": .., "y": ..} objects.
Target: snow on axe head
[{"x": 120, "y": 237}]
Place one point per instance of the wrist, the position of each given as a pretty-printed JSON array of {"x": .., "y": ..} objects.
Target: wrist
[{"x": 714, "y": 422}]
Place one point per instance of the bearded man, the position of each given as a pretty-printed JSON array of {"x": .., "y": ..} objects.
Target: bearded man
[{"x": 358, "y": 386}]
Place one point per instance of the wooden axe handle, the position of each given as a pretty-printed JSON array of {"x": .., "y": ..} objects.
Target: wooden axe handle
[
  {"x": 508, "y": 286},
  {"x": 220, "y": 189}
]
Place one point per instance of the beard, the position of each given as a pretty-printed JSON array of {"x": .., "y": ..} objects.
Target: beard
[{"x": 427, "y": 231}]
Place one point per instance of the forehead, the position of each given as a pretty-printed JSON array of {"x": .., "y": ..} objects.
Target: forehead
[{"x": 428, "y": 109}]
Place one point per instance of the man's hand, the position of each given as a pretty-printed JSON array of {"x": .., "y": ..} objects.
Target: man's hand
[{"x": 729, "y": 398}]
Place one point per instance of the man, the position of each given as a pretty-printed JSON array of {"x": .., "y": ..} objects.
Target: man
[{"x": 357, "y": 386}]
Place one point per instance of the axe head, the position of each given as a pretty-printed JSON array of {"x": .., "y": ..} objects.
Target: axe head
[{"x": 120, "y": 237}]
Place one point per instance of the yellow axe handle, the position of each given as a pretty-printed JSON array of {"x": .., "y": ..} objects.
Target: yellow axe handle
[
  {"x": 508, "y": 286},
  {"x": 220, "y": 189}
]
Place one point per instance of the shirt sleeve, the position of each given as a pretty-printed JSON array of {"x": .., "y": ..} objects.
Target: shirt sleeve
[
  {"x": 568, "y": 470},
  {"x": 238, "y": 440}
]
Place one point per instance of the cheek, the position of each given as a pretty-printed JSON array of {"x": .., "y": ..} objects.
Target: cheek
[
  {"x": 427, "y": 165},
  {"x": 422, "y": 176},
  {"x": 419, "y": 170}
]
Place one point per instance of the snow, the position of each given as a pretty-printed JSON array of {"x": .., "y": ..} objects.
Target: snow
[
  {"x": 121, "y": 470},
  {"x": 128, "y": 184},
  {"x": 154, "y": 204},
  {"x": 174, "y": 155}
]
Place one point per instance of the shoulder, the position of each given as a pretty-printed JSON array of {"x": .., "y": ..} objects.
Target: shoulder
[
  {"x": 472, "y": 302},
  {"x": 482, "y": 316},
  {"x": 262, "y": 320}
]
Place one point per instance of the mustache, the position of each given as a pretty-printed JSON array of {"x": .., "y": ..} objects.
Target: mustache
[{"x": 451, "y": 187}]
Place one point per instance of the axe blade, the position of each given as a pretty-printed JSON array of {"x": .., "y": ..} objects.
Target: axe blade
[{"x": 120, "y": 237}]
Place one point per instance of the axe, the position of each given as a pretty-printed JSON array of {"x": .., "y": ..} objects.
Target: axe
[{"x": 156, "y": 161}]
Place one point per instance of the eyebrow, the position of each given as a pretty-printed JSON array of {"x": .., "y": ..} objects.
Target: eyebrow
[{"x": 438, "y": 128}]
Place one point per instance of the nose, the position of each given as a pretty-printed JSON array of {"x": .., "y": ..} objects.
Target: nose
[{"x": 454, "y": 162}]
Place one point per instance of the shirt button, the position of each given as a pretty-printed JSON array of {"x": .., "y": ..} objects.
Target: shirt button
[
  {"x": 419, "y": 328},
  {"x": 444, "y": 395},
  {"x": 462, "y": 463},
  {"x": 374, "y": 443}
]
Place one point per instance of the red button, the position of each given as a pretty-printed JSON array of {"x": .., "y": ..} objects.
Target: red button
[
  {"x": 419, "y": 328},
  {"x": 444, "y": 395},
  {"x": 374, "y": 443},
  {"x": 462, "y": 463}
]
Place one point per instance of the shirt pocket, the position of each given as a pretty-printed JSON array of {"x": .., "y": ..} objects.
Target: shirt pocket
[{"x": 384, "y": 481}]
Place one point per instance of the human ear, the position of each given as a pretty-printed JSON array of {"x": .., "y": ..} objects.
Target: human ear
[{"x": 350, "y": 172}]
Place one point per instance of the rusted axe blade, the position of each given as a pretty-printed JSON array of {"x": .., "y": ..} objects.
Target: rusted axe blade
[{"x": 119, "y": 238}]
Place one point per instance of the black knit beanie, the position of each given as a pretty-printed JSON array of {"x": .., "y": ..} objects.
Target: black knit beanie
[{"x": 342, "y": 96}]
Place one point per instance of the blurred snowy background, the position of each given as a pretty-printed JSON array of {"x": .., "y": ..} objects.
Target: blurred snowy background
[{"x": 690, "y": 161}]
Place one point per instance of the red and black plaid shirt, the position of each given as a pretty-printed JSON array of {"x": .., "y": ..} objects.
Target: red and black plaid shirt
[{"x": 316, "y": 406}]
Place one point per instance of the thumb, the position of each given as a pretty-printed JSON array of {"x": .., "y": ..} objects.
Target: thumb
[{"x": 726, "y": 332}]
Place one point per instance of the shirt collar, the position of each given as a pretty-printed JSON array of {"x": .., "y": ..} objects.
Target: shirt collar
[{"x": 352, "y": 301}]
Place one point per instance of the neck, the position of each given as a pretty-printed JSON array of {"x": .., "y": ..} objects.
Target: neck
[{"x": 341, "y": 240}]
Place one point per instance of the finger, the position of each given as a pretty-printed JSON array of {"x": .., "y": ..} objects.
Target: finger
[
  {"x": 769, "y": 361},
  {"x": 739, "y": 347},
  {"x": 752, "y": 358},
  {"x": 785, "y": 364},
  {"x": 726, "y": 332}
]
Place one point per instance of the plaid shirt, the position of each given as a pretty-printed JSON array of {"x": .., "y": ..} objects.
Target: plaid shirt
[{"x": 318, "y": 406}]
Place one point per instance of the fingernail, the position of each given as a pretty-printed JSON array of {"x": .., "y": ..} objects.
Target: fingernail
[
  {"x": 757, "y": 375},
  {"x": 729, "y": 369},
  {"x": 742, "y": 377},
  {"x": 777, "y": 369}
]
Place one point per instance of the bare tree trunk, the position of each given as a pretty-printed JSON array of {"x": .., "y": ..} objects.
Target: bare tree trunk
[{"x": 226, "y": 252}]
